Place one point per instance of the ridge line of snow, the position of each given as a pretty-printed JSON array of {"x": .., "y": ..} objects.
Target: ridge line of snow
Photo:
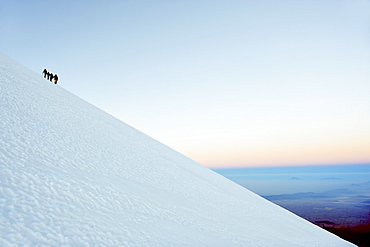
[{"x": 71, "y": 174}]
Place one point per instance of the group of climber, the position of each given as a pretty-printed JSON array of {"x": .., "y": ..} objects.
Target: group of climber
[{"x": 48, "y": 75}]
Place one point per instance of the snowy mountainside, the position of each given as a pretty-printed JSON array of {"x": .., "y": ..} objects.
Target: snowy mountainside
[{"x": 71, "y": 174}]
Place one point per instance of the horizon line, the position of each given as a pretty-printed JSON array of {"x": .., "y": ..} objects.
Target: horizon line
[{"x": 289, "y": 166}]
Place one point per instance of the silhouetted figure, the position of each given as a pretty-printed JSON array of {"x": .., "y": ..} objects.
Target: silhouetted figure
[
  {"x": 56, "y": 79},
  {"x": 44, "y": 73},
  {"x": 48, "y": 75},
  {"x": 51, "y": 77}
]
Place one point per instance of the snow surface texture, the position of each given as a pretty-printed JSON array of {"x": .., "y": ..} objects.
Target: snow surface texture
[{"x": 73, "y": 175}]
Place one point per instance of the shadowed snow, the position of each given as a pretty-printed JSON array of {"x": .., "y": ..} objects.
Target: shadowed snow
[{"x": 71, "y": 174}]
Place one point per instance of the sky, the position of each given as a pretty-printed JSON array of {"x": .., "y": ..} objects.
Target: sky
[{"x": 226, "y": 83}]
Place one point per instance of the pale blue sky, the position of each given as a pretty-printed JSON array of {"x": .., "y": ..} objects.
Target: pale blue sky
[{"x": 227, "y": 83}]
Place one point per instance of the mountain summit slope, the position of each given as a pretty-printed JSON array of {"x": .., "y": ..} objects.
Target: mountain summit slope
[{"x": 71, "y": 174}]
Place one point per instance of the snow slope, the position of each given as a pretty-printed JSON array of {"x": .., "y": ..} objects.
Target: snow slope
[{"x": 73, "y": 175}]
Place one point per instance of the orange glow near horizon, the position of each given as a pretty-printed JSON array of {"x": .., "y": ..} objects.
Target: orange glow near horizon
[{"x": 323, "y": 153}]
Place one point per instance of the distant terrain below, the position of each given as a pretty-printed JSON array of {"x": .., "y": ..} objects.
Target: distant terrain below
[{"x": 336, "y": 198}]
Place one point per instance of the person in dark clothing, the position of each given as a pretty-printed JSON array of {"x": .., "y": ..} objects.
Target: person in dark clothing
[
  {"x": 48, "y": 75},
  {"x": 51, "y": 77},
  {"x": 56, "y": 79},
  {"x": 45, "y": 72}
]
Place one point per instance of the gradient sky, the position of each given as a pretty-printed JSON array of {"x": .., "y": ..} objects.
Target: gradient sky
[{"x": 227, "y": 83}]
